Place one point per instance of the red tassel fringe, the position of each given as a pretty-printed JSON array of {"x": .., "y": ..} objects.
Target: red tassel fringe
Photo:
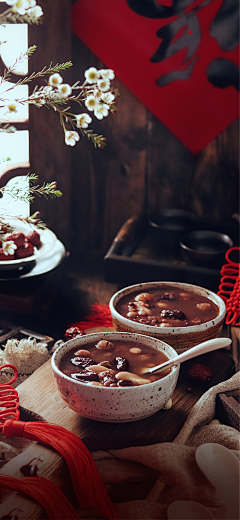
[
  {"x": 45, "y": 492},
  {"x": 99, "y": 316},
  {"x": 86, "y": 480}
]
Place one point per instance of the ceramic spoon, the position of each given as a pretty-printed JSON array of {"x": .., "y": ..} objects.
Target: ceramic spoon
[
  {"x": 202, "y": 348},
  {"x": 188, "y": 510}
]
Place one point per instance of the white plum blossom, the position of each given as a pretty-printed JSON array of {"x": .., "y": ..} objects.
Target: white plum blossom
[
  {"x": 107, "y": 97},
  {"x": 18, "y": 6},
  {"x": 9, "y": 247},
  {"x": 91, "y": 75},
  {"x": 71, "y": 137},
  {"x": 35, "y": 12},
  {"x": 103, "y": 85},
  {"x": 31, "y": 3},
  {"x": 12, "y": 106},
  {"x": 107, "y": 73},
  {"x": 91, "y": 103},
  {"x": 55, "y": 80},
  {"x": 101, "y": 111},
  {"x": 65, "y": 90},
  {"x": 46, "y": 90},
  {"x": 83, "y": 120}
]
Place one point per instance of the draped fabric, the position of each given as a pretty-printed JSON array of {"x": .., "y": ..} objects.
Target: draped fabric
[{"x": 179, "y": 57}]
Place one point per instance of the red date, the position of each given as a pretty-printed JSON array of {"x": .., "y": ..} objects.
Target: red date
[
  {"x": 200, "y": 372},
  {"x": 82, "y": 362},
  {"x": 73, "y": 332}
]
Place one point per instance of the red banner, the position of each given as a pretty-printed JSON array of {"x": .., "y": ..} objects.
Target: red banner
[{"x": 179, "y": 57}]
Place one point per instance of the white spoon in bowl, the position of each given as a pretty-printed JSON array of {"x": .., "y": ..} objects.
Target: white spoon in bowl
[{"x": 202, "y": 348}]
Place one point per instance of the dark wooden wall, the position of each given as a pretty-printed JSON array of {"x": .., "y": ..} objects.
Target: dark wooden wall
[{"x": 143, "y": 167}]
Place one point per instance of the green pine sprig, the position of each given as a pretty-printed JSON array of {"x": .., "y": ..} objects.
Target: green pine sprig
[{"x": 28, "y": 193}]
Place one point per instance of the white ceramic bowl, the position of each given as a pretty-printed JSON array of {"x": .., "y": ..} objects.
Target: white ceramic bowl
[
  {"x": 114, "y": 404},
  {"x": 180, "y": 338}
]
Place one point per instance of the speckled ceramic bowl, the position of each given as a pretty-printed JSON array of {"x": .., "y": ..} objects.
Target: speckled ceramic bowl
[
  {"x": 114, "y": 404},
  {"x": 180, "y": 338}
]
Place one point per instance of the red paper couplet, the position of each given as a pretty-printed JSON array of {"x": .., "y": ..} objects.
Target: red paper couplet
[{"x": 179, "y": 57}]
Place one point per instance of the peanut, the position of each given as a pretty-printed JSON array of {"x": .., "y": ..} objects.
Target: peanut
[
  {"x": 143, "y": 297},
  {"x": 144, "y": 311},
  {"x": 168, "y": 405},
  {"x": 128, "y": 376},
  {"x": 83, "y": 353},
  {"x": 104, "y": 345},
  {"x": 131, "y": 314},
  {"x": 97, "y": 369},
  {"x": 164, "y": 325},
  {"x": 203, "y": 306},
  {"x": 135, "y": 350},
  {"x": 196, "y": 321}
]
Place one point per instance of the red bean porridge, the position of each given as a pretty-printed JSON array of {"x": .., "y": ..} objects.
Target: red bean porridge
[
  {"x": 113, "y": 363},
  {"x": 167, "y": 307}
]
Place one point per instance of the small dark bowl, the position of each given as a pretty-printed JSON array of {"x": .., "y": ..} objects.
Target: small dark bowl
[
  {"x": 205, "y": 248},
  {"x": 167, "y": 227}
]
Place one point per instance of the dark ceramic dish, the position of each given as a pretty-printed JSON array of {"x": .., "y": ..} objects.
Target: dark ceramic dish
[
  {"x": 205, "y": 248},
  {"x": 167, "y": 227}
]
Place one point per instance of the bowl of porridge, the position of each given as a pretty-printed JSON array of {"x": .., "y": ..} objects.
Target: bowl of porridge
[
  {"x": 182, "y": 315},
  {"x": 101, "y": 376}
]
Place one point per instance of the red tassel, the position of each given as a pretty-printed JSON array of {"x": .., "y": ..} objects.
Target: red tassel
[
  {"x": 86, "y": 480},
  {"x": 100, "y": 316},
  {"x": 45, "y": 492}
]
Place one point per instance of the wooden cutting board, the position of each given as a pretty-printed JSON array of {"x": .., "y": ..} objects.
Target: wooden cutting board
[{"x": 39, "y": 394}]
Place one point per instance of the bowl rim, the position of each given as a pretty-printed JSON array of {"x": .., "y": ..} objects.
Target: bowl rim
[
  {"x": 89, "y": 338},
  {"x": 170, "y": 214},
  {"x": 222, "y": 237},
  {"x": 167, "y": 330}
]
